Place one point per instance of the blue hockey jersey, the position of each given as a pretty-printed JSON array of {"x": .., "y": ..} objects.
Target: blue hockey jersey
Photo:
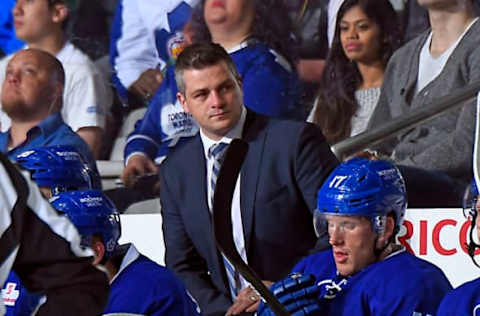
[
  {"x": 401, "y": 284},
  {"x": 146, "y": 34},
  {"x": 143, "y": 287},
  {"x": 270, "y": 87},
  {"x": 464, "y": 300},
  {"x": 17, "y": 299}
]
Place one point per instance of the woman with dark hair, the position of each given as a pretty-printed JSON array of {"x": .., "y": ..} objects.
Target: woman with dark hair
[
  {"x": 271, "y": 25},
  {"x": 258, "y": 34},
  {"x": 367, "y": 33}
]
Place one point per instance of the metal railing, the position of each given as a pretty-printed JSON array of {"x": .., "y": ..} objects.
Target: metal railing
[{"x": 421, "y": 115}]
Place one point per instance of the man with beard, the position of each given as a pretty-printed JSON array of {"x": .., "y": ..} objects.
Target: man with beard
[{"x": 32, "y": 98}]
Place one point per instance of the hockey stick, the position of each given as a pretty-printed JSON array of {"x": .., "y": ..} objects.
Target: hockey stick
[{"x": 222, "y": 221}]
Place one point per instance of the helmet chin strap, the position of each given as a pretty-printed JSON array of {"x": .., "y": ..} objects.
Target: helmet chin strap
[{"x": 380, "y": 251}]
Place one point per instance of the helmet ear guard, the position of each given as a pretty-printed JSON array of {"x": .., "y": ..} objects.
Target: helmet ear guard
[{"x": 360, "y": 187}]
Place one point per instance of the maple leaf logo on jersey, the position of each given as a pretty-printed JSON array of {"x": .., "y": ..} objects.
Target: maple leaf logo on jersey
[
  {"x": 329, "y": 288},
  {"x": 10, "y": 294}
]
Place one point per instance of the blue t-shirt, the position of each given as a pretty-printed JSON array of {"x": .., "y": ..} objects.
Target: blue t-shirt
[
  {"x": 464, "y": 300},
  {"x": 270, "y": 87},
  {"x": 143, "y": 287},
  {"x": 51, "y": 131},
  {"x": 401, "y": 284}
]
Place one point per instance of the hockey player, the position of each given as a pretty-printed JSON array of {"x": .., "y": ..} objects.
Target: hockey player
[
  {"x": 137, "y": 284},
  {"x": 44, "y": 249},
  {"x": 365, "y": 273},
  {"x": 57, "y": 169},
  {"x": 54, "y": 169},
  {"x": 465, "y": 300}
]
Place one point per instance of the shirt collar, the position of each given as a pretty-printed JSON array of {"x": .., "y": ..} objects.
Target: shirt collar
[
  {"x": 49, "y": 125},
  {"x": 235, "y": 132},
  {"x": 131, "y": 255},
  {"x": 242, "y": 45}
]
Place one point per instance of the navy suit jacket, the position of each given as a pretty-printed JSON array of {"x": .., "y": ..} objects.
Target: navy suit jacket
[{"x": 285, "y": 165}]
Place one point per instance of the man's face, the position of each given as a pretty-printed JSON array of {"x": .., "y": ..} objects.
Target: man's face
[
  {"x": 228, "y": 13},
  {"x": 33, "y": 19},
  {"x": 213, "y": 96},
  {"x": 28, "y": 87},
  {"x": 353, "y": 243}
]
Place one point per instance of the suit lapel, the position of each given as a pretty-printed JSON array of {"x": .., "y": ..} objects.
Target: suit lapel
[
  {"x": 198, "y": 209},
  {"x": 253, "y": 133},
  {"x": 198, "y": 187}
]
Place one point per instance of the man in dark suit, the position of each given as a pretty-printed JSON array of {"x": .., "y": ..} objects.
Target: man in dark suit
[{"x": 286, "y": 164}]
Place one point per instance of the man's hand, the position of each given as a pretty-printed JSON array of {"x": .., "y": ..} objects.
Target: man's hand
[
  {"x": 147, "y": 84},
  {"x": 138, "y": 165},
  {"x": 247, "y": 300}
]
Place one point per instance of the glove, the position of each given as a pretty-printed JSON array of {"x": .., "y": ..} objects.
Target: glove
[{"x": 298, "y": 293}]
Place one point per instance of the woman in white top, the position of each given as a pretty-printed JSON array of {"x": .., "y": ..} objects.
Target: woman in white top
[{"x": 367, "y": 32}]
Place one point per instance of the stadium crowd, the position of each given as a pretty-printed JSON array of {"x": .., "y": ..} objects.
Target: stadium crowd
[{"x": 181, "y": 90}]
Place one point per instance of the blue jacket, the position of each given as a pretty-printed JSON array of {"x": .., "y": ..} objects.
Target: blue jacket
[
  {"x": 401, "y": 284},
  {"x": 464, "y": 300},
  {"x": 143, "y": 287}
]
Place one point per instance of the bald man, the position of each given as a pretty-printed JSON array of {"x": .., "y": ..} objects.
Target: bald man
[{"x": 32, "y": 97}]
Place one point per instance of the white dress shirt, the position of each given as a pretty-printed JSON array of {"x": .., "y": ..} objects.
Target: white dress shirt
[{"x": 238, "y": 236}]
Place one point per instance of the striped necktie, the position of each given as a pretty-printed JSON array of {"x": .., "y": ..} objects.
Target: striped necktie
[{"x": 217, "y": 153}]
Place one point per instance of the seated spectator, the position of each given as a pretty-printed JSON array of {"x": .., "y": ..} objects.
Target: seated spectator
[
  {"x": 465, "y": 299},
  {"x": 137, "y": 284},
  {"x": 146, "y": 36},
  {"x": 254, "y": 34},
  {"x": 435, "y": 158},
  {"x": 309, "y": 19},
  {"x": 8, "y": 42},
  {"x": 259, "y": 37},
  {"x": 367, "y": 33},
  {"x": 365, "y": 272},
  {"x": 32, "y": 98},
  {"x": 42, "y": 24}
]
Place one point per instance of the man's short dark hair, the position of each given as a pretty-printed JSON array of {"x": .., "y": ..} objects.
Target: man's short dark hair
[{"x": 199, "y": 56}]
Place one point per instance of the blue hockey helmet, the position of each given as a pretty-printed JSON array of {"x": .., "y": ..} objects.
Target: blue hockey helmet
[
  {"x": 361, "y": 187},
  {"x": 92, "y": 213},
  {"x": 470, "y": 199},
  {"x": 61, "y": 168}
]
